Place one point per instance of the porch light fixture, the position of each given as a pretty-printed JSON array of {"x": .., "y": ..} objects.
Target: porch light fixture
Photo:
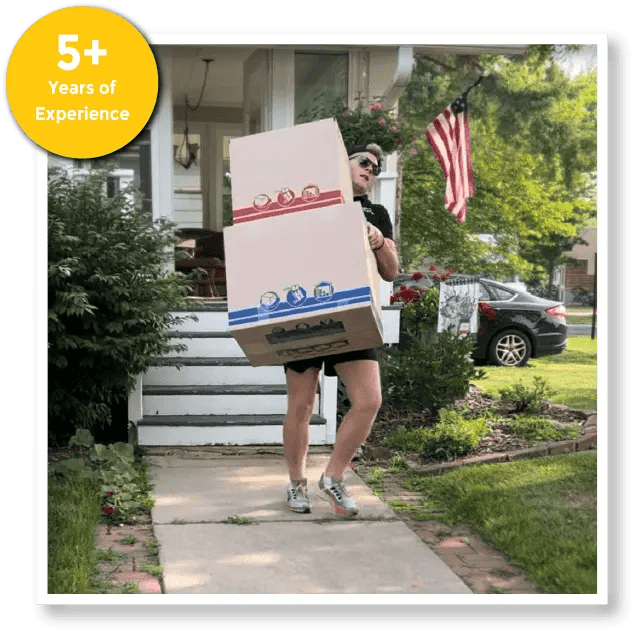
[{"x": 187, "y": 153}]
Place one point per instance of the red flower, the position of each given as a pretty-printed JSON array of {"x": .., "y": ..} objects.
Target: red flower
[
  {"x": 108, "y": 493},
  {"x": 409, "y": 295},
  {"x": 487, "y": 310},
  {"x": 393, "y": 299},
  {"x": 108, "y": 509},
  {"x": 375, "y": 106},
  {"x": 444, "y": 278},
  {"x": 436, "y": 276},
  {"x": 417, "y": 275},
  {"x": 432, "y": 267},
  {"x": 449, "y": 270}
]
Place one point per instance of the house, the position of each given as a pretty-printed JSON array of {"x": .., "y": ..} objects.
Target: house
[
  {"x": 580, "y": 272},
  {"x": 210, "y": 394}
]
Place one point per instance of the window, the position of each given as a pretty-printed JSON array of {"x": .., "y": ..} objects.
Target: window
[
  {"x": 501, "y": 294},
  {"x": 320, "y": 79},
  {"x": 112, "y": 186},
  {"x": 131, "y": 165}
]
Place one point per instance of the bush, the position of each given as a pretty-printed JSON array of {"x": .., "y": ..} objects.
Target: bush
[
  {"x": 110, "y": 295},
  {"x": 527, "y": 398},
  {"x": 119, "y": 476},
  {"x": 430, "y": 374},
  {"x": 452, "y": 436},
  {"x": 436, "y": 368}
]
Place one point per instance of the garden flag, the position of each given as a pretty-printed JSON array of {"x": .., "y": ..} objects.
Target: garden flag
[{"x": 449, "y": 136}]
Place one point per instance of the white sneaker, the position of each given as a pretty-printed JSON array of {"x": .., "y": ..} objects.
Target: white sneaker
[
  {"x": 336, "y": 494},
  {"x": 297, "y": 496}
]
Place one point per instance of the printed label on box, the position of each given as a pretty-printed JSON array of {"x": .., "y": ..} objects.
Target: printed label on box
[{"x": 298, "y": 303}]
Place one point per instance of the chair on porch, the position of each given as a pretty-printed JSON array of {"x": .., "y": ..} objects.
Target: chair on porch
[{"x": 205, "y": 251}]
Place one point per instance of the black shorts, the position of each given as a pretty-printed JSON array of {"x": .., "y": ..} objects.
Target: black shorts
[{"x": 330, "y": 360}]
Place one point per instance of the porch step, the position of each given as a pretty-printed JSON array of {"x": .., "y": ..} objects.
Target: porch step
[
  {"x": 206, "y": 399},
  {"x": 221, "y": 420},
  {"x": 274, "y": 389},
  {"x": 210, "y": 394},
  {"x": 221, "y": 430},
  {"x": 202, "y": 361},
  {"x": 202, "y": 343}
]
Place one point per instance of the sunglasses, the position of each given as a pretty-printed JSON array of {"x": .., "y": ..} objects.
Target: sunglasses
[{"x": 364, "y": 162}]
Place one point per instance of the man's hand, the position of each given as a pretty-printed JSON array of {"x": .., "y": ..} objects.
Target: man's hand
[{"x": 375, "y": 237}]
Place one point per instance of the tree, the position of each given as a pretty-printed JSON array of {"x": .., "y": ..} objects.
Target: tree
[{"x": 534, "y": 143}]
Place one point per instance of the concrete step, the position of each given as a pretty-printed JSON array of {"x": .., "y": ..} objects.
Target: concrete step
[
  {"x": 213, "y": 318},
  {"x": 214, "y": 373},
  {"x": 154, "y": 430},
  {"x": 205, "y": 343},
  {"x": 189, "y": 403}
]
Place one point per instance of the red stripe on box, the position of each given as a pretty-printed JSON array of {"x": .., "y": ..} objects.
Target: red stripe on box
[{"x": 298, "y": 204}]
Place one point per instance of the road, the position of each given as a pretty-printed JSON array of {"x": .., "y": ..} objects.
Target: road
[{"x": 580, "y": 329}]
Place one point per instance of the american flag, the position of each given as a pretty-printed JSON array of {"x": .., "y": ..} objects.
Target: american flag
[{"x": 449, "y": 136}]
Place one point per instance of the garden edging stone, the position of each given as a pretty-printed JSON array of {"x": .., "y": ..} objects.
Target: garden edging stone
[{"x": 587, "y": 441}]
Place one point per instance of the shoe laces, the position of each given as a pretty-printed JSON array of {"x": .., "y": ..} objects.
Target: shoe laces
[
  {"x": 295, "y": 489},
  {"x": 337, "y": 488}
]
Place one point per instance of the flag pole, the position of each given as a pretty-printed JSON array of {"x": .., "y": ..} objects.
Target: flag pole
[{"x": 474, "y": 85}]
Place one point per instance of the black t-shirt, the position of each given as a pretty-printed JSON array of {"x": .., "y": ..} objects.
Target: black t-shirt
[{"x": 377, "y": 215}]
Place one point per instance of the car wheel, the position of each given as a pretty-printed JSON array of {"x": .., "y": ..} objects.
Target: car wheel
[{"x": 510, "y": 348}]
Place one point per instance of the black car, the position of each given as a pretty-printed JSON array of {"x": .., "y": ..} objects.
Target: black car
[{"x": 514, "y": 326}]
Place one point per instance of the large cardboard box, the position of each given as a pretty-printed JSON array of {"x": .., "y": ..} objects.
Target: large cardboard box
[
  {"x": 289, "y": 170},
  {"x": 303, "y": 285}
]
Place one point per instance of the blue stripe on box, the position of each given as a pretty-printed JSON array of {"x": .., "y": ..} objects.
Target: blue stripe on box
[{"x": 339, "y": 299}]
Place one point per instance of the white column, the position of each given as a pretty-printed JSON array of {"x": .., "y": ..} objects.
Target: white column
[
  {"x": 162, "y": 141},
  {"x": 283, "y": 88},
  {"x": 385, "y": 194}
]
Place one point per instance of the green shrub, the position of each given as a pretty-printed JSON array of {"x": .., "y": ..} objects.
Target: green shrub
[
  {"x": 527, "y": 398},
  {"x": 436, "y": 368},
  {"x": 118, "y": 475},
  {"x": 110, "y": 294},
  {"x": 452, "y": 436},
  {"x": 430, "y": 374},
  {"x": 535, "y": 428}
]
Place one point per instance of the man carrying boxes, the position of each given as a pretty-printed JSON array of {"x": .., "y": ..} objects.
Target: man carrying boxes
[{"x": 303, "y": 263}]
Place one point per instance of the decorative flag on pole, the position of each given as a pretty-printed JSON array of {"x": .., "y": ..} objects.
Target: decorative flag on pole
[{"x": 449, "y": 136}]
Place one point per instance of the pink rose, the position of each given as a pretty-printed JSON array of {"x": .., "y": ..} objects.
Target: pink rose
[
  {"x": 375, "y": 106},
  {"x": 382, "y": 121},
  {"x": 393, "y": 128}
]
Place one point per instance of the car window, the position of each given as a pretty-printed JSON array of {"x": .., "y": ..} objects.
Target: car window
[
  {"x": 484, "y": 293},
  {"x": 502, "y": 294}
]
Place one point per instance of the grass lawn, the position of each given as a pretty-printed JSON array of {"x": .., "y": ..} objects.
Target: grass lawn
[
  {"x": 579, "y": 314},
  {"x": 540, "y": 512},
  {"x": 74, "y": 513},
  {"x": 572, "y": 374}
]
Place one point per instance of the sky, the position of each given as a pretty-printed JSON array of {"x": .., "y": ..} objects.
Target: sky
[{"x": 578, "y": 62}]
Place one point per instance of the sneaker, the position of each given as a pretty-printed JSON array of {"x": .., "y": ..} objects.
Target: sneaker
[
  {"x": 335, "y": 493},
  {"x": 297, "y": 497}
]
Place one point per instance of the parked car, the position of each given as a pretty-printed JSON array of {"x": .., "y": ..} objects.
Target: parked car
[{"x": 514, "y": 326}]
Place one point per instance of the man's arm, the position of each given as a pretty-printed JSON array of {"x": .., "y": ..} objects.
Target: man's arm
[{"x": 386, "y": 253}]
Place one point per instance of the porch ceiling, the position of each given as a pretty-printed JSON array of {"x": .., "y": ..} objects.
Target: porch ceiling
[{"x": 224, "y": 86}]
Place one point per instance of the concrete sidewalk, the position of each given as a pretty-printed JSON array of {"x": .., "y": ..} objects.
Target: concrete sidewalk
[{"x": 202, "y": 551}]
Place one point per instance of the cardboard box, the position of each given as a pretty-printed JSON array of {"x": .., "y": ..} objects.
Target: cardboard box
[
  {"x": 289, "y": 170},
  {"x": 303, "y": 285}
]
